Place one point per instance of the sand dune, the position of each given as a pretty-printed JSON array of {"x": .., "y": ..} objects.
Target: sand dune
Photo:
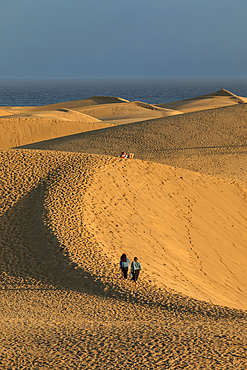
[
  {"x": 211, "y": 141},
  {"x": 17, "y": 131},
  {"x": 180, "y": 222},
  {"x": 217, "y": 99},
  {"x": 25, "y": 125},
  {"x": 94, "y": 100},
  {"x": 62, "y": 114},
  {"x": 4, "y": 112},
  {"x": 69, "y": 207},
  {"x": 130, "y": 110}
]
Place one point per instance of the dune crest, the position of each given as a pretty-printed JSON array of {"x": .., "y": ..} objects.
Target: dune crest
[{"x": 222, "y": 92}]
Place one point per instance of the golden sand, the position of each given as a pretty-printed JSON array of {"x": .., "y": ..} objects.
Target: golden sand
[{"x": 70, "y": 207}]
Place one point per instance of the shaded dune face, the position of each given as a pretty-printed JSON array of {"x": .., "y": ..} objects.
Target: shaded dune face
[
  {"x": 67, "y": 217},
  {"x": 42, "y": 218}
]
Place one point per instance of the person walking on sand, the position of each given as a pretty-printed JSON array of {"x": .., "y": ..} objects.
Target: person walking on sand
[
  {"x": 135, "y": 269},
  {"x": 124, "y": 265}
]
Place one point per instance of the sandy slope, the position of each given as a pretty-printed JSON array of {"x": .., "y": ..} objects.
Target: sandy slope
[
  {"x": 180, "y": 222},
  {"x": 211, "y": 141},
  {"x": 68, "y": 213},
  {"x": 65, "y": 219},
  {"x": 4, "y": 112},
  {"x": 129, "y": 110},
  {"x": 21, "y": 131},
  {"x": 25, "y": 125},
  {"x": 183, "y": 224}
]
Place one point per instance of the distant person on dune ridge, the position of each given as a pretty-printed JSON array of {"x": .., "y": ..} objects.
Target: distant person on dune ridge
[
  {"x": 135, "y": 269},
  {"x": 125, "y": 155},
  {"x": 124, "y": 265}
]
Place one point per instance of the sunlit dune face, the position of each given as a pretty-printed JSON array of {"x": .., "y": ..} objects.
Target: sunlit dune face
[{"x": 181, "y": 225}]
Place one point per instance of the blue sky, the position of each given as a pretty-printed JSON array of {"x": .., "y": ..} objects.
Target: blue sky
[{"x": 123, "y": 39}]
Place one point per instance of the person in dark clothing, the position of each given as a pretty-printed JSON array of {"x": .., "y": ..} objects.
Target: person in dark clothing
[{"x": 124, "y": 265}]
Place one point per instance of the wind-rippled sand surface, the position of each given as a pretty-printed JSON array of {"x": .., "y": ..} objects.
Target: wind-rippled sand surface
[{"x": 67, "y": 215}]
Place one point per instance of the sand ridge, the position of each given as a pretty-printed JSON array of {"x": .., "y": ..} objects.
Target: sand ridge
[{"x": 70, "y": 206}]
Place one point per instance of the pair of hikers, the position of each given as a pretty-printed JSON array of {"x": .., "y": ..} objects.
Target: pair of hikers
[
  {"x": 125, "y": 155},
  {"x": 135, "y": 267}
]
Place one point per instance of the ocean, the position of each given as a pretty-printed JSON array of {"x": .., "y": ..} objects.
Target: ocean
[{"x": 43, "y": 92}]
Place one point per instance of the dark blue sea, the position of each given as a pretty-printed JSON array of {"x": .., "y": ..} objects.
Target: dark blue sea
[{"x": 35, "y": 93}]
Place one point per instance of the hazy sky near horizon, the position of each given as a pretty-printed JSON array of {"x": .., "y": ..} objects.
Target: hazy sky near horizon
[{"x": 123, "y": 39}]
